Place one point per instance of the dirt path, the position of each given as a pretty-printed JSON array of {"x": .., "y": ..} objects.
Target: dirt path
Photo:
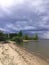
[{"x": 13, "y": 55}]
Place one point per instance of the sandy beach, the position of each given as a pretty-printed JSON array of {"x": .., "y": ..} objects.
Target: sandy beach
[{"x": 11, "y": 54}]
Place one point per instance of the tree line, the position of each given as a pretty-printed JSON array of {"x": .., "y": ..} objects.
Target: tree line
[{"x": 17, "y": 37}]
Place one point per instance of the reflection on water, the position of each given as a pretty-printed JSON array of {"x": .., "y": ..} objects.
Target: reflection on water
[{"x": 40, "y": 47}]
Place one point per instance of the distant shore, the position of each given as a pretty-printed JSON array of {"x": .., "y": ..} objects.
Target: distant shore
[{"x": 29, "y": 40}]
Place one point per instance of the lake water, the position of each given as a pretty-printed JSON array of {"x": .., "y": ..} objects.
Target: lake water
[{"x": 40, "y": 47}]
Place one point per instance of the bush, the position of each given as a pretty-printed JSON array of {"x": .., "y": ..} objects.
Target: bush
[
  {"x": 26, "y": 37},
  {"x": 17, "y": 39},
  {"x": 11, "y": 35},
  {"x": 35, "y": 37},
  {"x": 13, "y": 39},
  {"x": 3, "y": 38},
  {"x": 20, "y": 34}
]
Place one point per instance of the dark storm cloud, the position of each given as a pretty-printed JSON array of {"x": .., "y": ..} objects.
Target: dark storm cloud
[{"x": 30, "y": 14}]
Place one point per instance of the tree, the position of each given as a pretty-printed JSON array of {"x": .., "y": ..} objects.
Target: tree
[
  {"x": 1, "y": 33},
  {"x": 35, "y": 37},
  {"x": 12, "y": 35},
  {"x": 19, "y": 40},
  {"x": 26, "y": 37},
  {"x": 20, "y": 34},
  {"x": 2, "y": 36}
]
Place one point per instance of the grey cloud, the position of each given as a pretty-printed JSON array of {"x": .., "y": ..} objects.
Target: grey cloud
[{"x": 31, "y": 14}]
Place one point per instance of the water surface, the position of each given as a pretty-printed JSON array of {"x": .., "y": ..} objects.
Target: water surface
[{"x": 40, "y": 47}]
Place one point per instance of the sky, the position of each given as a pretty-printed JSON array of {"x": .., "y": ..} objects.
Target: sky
[{"x": 18, "y": 15}]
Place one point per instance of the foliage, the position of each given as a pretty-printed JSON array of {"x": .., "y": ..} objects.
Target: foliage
[
  {"x": 11, "y": 35},
  {"x": 20, "y": 34},
  {"x": 1, "y": 33},
  {"x": 17, "y": 37},
  {"x": 26, "y": 37},
  {"x": 13, "y": 39},
  {"x": 35, "y": 37},
  {"x": 2, "y": 36}
]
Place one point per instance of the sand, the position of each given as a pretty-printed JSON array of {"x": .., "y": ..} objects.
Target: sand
[{"x": 11, "y": 54}]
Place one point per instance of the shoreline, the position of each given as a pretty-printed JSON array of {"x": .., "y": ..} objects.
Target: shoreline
[
  {"x": 17, "y": 55},
  {"x": 29, "y": 40},
  {"x": 33, "y": 54}
]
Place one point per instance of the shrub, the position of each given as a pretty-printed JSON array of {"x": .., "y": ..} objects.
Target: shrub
[
  {"x": 35, "y": 37},
  {"x": 26, "y": 37},
  {"x": 17, "y": 39},
  {"x": 20, "y": 34},
  {"x": 11, "y": 35},
  {"x": 13, "y": 39},
  {"x": 2, "y": 36}
]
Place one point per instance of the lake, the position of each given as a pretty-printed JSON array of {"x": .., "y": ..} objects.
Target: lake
[{"x": 40, "y": 47}]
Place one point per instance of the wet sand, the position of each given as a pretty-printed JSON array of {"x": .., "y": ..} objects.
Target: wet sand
[{"x": 11, "y": 54}]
